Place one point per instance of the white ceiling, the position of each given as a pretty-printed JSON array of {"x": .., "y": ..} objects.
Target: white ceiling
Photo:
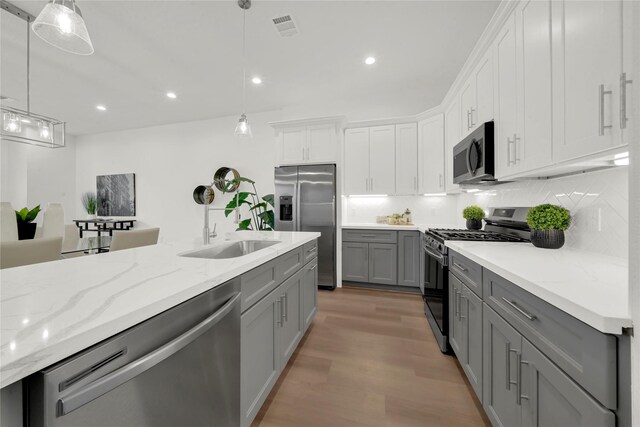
[{"x": 145, "y": 48}]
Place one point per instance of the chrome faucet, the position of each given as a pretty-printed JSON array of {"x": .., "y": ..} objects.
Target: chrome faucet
[{"x": 207, "y": 234}]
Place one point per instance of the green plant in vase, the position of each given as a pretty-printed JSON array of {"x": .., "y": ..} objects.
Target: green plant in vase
[
  {"x": 474, "y": 215},
  {"x": 260, "y": 208},
  {"x": 90, "y": 203},
  {"x": 548, "y": 223},
  {"x": 26, "y": 226}
]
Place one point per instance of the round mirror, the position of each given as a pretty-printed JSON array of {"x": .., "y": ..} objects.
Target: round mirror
[{"x": 223, "y": 177}]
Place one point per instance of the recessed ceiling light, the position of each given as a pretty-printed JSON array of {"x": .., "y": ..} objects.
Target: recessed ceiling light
[
  {"x": 171, "y": 95},
  {"x": 256, "y": 80},
  {"x": 101, "y": 108},
  {"x": 370, "y": 60}
]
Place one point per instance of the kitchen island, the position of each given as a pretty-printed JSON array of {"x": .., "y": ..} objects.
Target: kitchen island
[{"x": 54, "y": 310}]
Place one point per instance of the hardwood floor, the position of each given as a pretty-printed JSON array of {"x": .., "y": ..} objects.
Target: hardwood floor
[{"x": 370, "y": 359}]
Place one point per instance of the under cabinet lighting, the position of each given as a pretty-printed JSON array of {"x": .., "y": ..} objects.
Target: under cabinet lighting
[
  {"x": 368, "y": 195},
  {"x": 472, "y": 190},
  {"x": 434, "y": 194}
]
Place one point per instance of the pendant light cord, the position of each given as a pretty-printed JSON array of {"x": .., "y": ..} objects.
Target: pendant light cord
[{"x": 244, "y": 64}]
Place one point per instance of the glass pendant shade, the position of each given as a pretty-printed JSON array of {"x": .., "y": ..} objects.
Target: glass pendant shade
[
  {"x": 29, "y": 128},
  {"x": 243, "y": 130},
  {"x": 60, "y": 24}
]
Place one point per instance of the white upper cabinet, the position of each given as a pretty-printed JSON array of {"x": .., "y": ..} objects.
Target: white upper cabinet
[
  {"x": 382, "y": 155},
  {"x": 523, "y": 133},
  {"x": 406, "y": 159},
  {"x": 356, "y": 161},
  {"x": 476, "y": 97},
  {"x": 587, "y": 45},
  {"x": 431, "y": 155},
  {"x": 308, "y": 141},
  {"x": 452, "y": 137}
]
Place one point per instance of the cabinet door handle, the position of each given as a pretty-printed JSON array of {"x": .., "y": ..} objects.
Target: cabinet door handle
[
  {"x": 509, "y": 151},
  {"x": 415, "y": 183},
  {"x": 471, "y": 115},
  {"x": 508, "y": 353},
  {"x": 507, "y": 358},
  {"x": 623, "y": 100},
  {"x": 440, "y": 180},
  {"x": 516, "y": 158},
  {"x": 457, "y": 304},
  {"x": 371, "y": 186},
  {"x": 529, "y": 316},
  {"x": 461, "y": 316},
  {"x": 460, "y": 267},
  {"x": 286, "y": 307},
  {"x": 468, "y": 121},
  {"x": 519, "y": 395},
  {"x": 602, "y": 94},
  {"x": 279, "y": 314}
]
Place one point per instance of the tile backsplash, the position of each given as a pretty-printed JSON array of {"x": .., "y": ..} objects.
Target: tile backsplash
[{"x": 598, "y": 201}]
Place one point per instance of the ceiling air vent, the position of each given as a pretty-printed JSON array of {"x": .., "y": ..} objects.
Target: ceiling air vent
[{"x": 285, "y": 25}]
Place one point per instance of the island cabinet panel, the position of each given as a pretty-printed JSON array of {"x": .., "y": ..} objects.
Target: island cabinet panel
[
  {"x": 273, "y": 326},
  {"x": 260, "y": 354},
  {"x": 309, "y": 288},
  {"x": 471, "y": 313}
]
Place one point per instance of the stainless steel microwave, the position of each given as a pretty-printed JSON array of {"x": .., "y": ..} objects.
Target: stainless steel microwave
[{"x": 473, "y": 157}]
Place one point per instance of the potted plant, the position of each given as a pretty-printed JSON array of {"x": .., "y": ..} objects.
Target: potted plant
[
  {"x": 260, "y": 208},
  {"x": 26, "y": 226},
  {"x": 547, "y": 223},
  {"x": 90, "y": 203},
  {"x": 474, "y": 215}
]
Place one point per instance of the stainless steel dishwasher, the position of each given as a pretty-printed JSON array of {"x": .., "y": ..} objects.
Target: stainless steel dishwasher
[{"x": 181, "y": 367}]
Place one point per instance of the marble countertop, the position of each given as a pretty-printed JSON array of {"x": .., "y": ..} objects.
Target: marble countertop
[
  {"x": 53, "y": 310},
  {"x": 589, "y": 286}
]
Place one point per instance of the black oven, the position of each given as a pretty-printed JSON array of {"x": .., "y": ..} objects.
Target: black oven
[
  {"x": 473, "y": 158},
  {"x": 435, "y": 290}
]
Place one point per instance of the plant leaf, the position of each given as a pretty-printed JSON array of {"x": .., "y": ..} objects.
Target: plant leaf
[
  {"x": 242, "y": 200},
  {"x": 268, "y": 219},
  {"x": 243, "y": 179},
  {"x": 269, "y": 198},
  {"x": 245, "y": 224},
  {"x": 33, "y": 213},
  {"x": 258, "y": 205}
]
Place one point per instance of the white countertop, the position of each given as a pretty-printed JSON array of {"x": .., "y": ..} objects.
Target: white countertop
[
  {"x": 589, "y": 286},
  {"x": 52, "y": 310},
  {"x": 414, "y": 227}
]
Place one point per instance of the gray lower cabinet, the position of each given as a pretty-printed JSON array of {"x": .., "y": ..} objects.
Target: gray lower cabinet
[
  {"x": 409, "y": 258},
  {"x": 383, "y": 263},
  {"x": 465, "y": 330},
  {"x": 523, "y": 387},
  {"x": 272, "y": 329},
  {"x": 309, "y": 288},
  {"x": 355, "y": 262}
]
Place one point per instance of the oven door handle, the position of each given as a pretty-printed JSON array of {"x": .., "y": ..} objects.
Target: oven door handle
[{"x": 441, "y": 258}]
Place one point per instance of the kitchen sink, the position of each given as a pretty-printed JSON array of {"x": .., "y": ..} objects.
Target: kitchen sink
[{"x": 232, "y": 249}]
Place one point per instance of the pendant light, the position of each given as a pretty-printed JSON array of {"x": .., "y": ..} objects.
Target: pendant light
[
  {"x": 60, "y": 24},
  {"x": 243, "y": 130},
  {"x": 24, "y": 126}
]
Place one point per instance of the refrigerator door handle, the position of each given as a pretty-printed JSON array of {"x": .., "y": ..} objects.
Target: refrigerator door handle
[{"x": 296, "y": 216}]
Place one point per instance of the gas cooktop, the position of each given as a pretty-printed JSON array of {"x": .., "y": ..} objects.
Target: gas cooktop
[{"x": 474, "y": 235}]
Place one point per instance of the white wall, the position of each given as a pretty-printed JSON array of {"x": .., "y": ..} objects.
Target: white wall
[
  {"x": 170, "y": 161},
  {"x": 34, "y": 175}
]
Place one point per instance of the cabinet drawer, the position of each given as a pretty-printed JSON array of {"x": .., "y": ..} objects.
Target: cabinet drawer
[
  {"x": 585, "y": 354},
  {"x": 289, "y": 263},
  {"x": 467, "y": 271},
  {"x": 257, "y": 283},
  {"x": 370, "y": 236},
  {"x": 310, "y": 251}
]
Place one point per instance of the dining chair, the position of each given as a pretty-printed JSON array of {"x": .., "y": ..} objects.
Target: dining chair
[
  {"x": 53, "y": 221},
  {"x": 133, "y": 238},
  {"x": 70, "y": 241},
  {"x": 31, "y": 251},
  {"x": 8, "y": 223}
]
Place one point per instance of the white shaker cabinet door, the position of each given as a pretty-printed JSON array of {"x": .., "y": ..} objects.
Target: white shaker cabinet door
[
  {"x": 532, "y": 147},
  {"x": 452, "y": 137},
  {"x": 407, "y": 159},
  {"x": 507, "y": 101},
  {"x": 322, "y": 143},
  {"x": 431, "y": 138},
  {"x": 293, "y": 145},
  {"x": 587, "y": 46},
  {"x": 356, "y": 161},
  {"x": 382, "y": 159},
  {"x": 484, "y": 91},
  {"x": 468, "y": 106}
]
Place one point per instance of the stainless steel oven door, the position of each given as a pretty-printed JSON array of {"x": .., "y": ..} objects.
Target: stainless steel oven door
[{"x": 435, "y": 291}]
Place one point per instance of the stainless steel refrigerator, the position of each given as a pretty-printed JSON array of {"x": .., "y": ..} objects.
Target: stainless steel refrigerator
[{"x": 306, "y": 201}]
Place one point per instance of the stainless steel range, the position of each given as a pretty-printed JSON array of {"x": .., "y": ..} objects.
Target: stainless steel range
[{"x": 502, "y": 225}]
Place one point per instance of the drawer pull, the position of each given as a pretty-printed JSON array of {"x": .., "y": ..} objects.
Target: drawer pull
[
  {"x": 521, "y": 311},
  {"x": 313, "y": 268},
  {"x": 368, "y": 235},
  {"x": 312, "y": 250},
  {"x": 460, "y": 267}
]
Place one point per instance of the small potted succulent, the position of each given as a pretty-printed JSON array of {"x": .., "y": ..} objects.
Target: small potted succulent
[
  {"x": 26, "y": 226},
  {"x": 90, "y": 203},
  {"x": 474, "y": 215},
  {"x": 547, "y": 223}
]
